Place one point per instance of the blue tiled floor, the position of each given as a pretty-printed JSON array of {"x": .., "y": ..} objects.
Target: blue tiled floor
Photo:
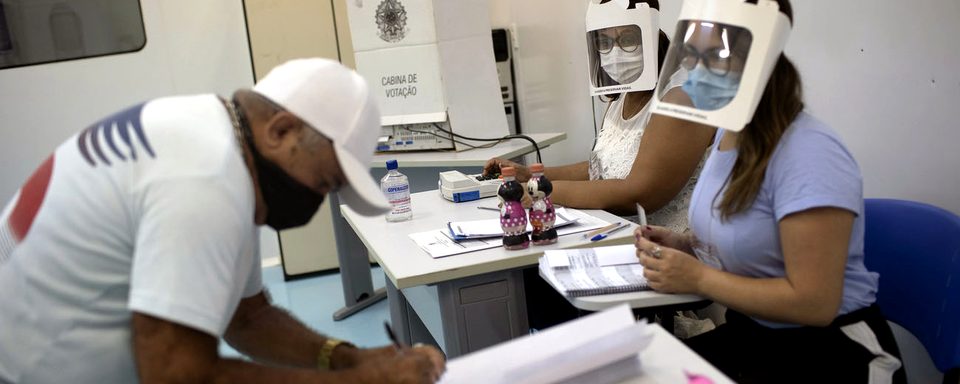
[{"x": 314, "y": 300}]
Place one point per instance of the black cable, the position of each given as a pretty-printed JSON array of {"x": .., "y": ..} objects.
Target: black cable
[
  {"x": 596, "y": 132},
  {"x": 436, "y": 135},
  {"x": 451, "y": 139},
  {"x": 442, "y": 137},
  {"x": 507, "y": 137}
]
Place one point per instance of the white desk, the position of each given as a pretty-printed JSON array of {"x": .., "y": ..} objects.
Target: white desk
[
  {"x": 464, "y": 302},
  {"x": 666, "y": 359},
  {"x": 422, "y": 169}
]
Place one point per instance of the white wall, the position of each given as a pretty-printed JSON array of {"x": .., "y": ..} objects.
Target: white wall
[
  {"x": 192, "y": 47},
  {"x": 882, "y": 73},
  {"x": 549, "y": 65}
]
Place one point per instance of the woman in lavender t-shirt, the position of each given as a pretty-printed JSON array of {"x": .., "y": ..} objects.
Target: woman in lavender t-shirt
[{"x": 777, "y": 231}]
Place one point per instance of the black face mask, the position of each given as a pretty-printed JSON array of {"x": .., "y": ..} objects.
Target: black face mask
[{"x": 289, "y": 203}]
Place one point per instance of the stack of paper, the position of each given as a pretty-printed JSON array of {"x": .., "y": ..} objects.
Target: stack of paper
[
  {"x": 599, "y": 348},
  {"x": 593, "y": 271},
  {"x": 491, "y": 227},
  {"x": 441, "y": 243}
]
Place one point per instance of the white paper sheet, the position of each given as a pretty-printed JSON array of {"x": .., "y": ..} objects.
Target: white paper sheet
[
  {"x": 561, "y": 352},
  {"x": 438, "y": 243},
  {"x": 592, "y": 257}
]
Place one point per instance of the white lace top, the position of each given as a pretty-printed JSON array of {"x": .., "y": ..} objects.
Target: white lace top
[{"x": 616, "y": 149}]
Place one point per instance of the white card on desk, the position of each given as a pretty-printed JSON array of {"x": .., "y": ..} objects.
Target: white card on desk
[
  {"x": 438, "y": 243},
  {"x": 592, "y": 257},
  {"x": 557, "y": 354}
]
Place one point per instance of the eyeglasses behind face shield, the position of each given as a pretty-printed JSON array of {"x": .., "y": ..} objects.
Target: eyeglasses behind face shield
[
  {"x": 728, "y": 52},
  {"x": 627, "y": 38}
]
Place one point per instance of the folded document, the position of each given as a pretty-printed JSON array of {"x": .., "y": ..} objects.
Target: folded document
[{"x": 599, "y": 348}]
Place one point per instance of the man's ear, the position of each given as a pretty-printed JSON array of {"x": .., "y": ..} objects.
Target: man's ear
[{"x": 279, "y": 127}]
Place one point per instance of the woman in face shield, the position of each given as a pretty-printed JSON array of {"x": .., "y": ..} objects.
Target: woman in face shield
[
  {"x": 638, "y": 157},
  {"x": 776, "y": 217}
]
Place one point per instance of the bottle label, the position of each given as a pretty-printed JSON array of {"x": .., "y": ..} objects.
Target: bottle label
[
  {"x": 401, "y": 205},
  {"x": 399, "y": 198},
  {"x": 399, "y": 188}
]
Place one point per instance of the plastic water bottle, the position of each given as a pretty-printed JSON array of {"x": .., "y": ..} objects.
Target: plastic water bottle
[
  {"x": 513, "y": 218},
  {"x": 396, "y": 188},
  {"x": 542, "y": 214}
]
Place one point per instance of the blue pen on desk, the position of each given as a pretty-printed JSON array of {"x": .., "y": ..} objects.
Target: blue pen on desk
[
  {"x": 604, "y": 235},
  {"x": 601, "y": 230}
]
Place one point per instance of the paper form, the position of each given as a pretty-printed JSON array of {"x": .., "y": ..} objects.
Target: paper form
[
  {"x": 438, "y": 243},
  {"x": 592, "y": 257}
]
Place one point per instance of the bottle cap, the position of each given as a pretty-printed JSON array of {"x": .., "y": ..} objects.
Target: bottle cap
[
  {"x": 538, "y": 167},
  {"x": 391, "y": 165},
  {"x": 508, "y": 172}
]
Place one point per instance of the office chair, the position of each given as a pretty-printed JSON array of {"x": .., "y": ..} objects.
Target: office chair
[{"x": 916, "y": 249}]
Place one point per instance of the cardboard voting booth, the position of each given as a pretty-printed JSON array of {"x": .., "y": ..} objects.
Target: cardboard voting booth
[{"x": 430, "y": 63}]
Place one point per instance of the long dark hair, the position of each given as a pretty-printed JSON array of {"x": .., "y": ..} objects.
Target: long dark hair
[
  {"x": 664, "y": 42},
  {"x": 780, "y": 104}
]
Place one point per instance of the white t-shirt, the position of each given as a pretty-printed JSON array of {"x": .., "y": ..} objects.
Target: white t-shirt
[
  {"x": 149, "y": 210},
  {"x": 616, "y": 150}
]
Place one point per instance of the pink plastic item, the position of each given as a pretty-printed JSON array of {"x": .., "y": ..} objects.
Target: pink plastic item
[{"x": 697, "y": 379}]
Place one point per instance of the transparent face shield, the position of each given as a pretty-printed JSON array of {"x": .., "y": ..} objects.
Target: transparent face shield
[
  {"x": 710, "y": 58},
  {"x": 616, "y": 55},
  {"x": 720, "y": 61},
  {"x": 622, "y": 43}
]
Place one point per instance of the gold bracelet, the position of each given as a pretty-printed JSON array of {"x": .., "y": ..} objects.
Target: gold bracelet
[{"x": 326, "y": 353}]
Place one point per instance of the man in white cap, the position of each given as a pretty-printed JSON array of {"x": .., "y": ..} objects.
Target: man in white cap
[{"x": 133, "y": 248}]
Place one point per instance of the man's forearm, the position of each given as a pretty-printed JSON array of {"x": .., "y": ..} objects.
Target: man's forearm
[
  {"x": 167, "y": 352},
  {"x": 271, "y": 335}
]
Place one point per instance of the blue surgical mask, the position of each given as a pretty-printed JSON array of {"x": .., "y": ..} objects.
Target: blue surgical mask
[{"x": 710, "y": 92}]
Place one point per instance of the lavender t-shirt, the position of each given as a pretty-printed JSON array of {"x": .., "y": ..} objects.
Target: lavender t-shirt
[{"x": 810, "y": 168}]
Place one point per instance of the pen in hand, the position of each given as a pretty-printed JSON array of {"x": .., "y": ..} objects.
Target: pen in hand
[
  {"x": 393, "y": 337},
  {"x": 642, "y": 216},
  {"x": 396, "y": 343}
]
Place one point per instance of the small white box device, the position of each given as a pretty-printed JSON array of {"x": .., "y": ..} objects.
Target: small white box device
[{"x": 457, "y": 187}]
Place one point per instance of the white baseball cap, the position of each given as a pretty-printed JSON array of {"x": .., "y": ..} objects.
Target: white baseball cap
[{"x": 336, "y": 102}]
